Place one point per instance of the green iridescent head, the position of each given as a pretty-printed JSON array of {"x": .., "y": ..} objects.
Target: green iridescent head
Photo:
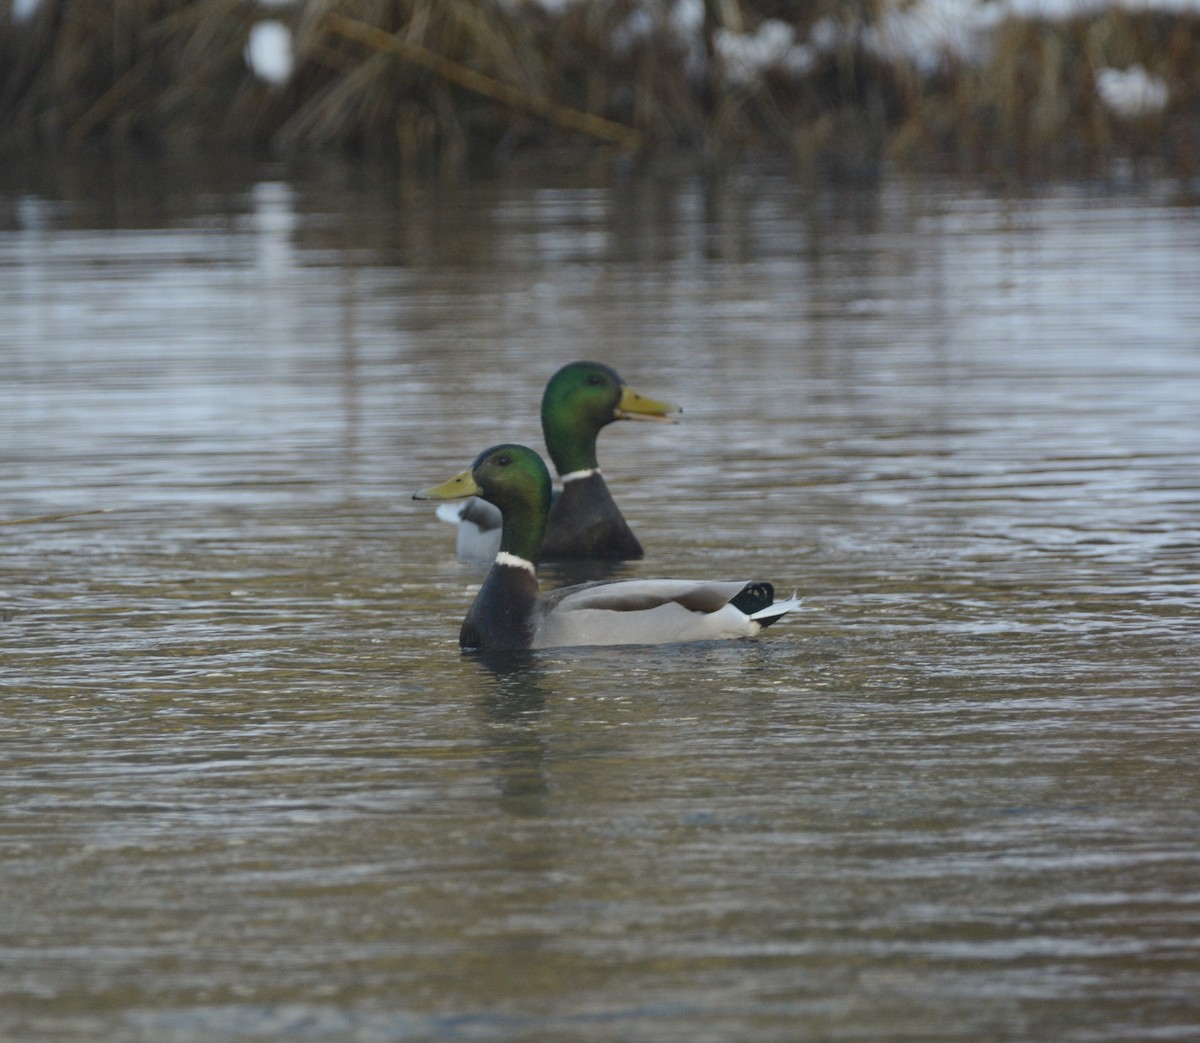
[
  {"x": 514, "y": 478},
  {"x": 580, "y": 399}
]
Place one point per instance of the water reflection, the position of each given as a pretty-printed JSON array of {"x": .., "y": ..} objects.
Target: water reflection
[
  {"x": 514, "y": 700},
  {"x": 569, "y": 573},
  {"x": 250, "y": 774}
]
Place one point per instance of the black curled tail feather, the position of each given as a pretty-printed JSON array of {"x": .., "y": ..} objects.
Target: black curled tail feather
[{"x": 753, "y": 598}]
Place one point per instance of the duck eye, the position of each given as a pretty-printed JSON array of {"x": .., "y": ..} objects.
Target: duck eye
[
  {"x": 594, "y": 379},
  {"x": 503, "y": 461}
]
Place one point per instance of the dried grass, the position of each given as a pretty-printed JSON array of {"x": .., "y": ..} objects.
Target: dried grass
[
  {"x": 450, "y": 81},
  {"x": 1033, "y": 107}
]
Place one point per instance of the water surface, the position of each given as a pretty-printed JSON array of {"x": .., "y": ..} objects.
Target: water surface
[{"x": 250, "y": 788}]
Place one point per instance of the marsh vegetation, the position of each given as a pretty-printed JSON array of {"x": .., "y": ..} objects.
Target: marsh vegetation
[{"x": 453, "y": 83}]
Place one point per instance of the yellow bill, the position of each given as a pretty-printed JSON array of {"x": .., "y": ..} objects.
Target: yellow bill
[
  {"x": 455, "y": 489},
  {"x": 639, "y": 407}
]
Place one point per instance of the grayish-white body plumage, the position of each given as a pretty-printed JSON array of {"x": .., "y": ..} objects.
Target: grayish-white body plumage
[{"x": 647, "y": 612}]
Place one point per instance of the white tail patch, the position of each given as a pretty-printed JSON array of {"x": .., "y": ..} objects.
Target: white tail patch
[{"x": 778, "y": 608}]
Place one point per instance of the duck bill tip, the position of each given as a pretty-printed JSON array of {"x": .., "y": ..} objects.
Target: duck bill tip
[
  {"x": 456, "y": 488},
  {"x": 634, "y": 406}
]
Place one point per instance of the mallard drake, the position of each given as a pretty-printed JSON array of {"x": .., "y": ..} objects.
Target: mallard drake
[
  {"x": 584, "y": 521},
  {"x": 510, "y": 612}
]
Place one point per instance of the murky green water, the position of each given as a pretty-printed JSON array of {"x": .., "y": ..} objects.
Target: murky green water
[{"x": 251, "y": 790}]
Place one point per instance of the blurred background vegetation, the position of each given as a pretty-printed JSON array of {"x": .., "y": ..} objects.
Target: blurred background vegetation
[{"x": 836, "y": 87}]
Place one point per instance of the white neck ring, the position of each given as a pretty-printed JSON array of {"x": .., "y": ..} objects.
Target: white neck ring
[
  {"x": 504, "y": 558},
  {"x": 574, "y": 476}
]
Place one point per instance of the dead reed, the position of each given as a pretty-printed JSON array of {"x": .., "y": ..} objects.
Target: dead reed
[
  {"x": 452, "y": 82},
  {"x": 1033, "y": 106}
]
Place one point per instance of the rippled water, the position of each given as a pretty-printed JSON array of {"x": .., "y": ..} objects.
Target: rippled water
[{"x": 251, "y": 789}]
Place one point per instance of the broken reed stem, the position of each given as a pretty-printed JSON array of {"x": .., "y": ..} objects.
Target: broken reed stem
[
  {"x": 55, "y": 517},
  {"x": 478, "y": 83}
]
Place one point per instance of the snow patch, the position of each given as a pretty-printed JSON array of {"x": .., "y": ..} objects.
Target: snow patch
[
  {"x": 746, "y": 56},
  {"x": 23, "y": 10},
  {"x": 269, "y": 52},
  {"x": 1131, "y": 92}
]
